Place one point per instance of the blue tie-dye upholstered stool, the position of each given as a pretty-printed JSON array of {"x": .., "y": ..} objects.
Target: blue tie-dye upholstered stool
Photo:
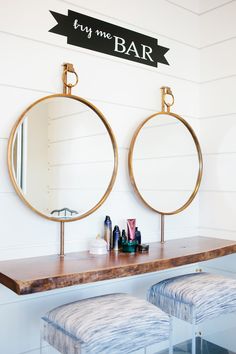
[
  {"x": 108, "y": 324},
  {"x": 194, "y": 298}
]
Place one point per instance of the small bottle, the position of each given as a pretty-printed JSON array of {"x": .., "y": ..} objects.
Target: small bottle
[
  {"x": 131, "y": 223},
  {"x": 123, "y": 237},
  {"x": 116, "y": 238},
  {"x": 108, "y": 232},
  {"x": 120, "y": 242},
  {"x": 138, "y": 236}
]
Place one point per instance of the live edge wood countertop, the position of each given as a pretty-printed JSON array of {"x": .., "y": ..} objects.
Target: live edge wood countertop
[{"x": 31, "y": 275}]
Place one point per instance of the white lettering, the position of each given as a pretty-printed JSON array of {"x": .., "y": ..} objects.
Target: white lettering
[
  {"x": 133, "y": 49},
  {"x": 119, "y": 44},
  {"x": 103, "y": 34},
  {"x": 86, "y": 29},
  {"x": 76, "y": 24},
  {"x": 146, "y": 51}
]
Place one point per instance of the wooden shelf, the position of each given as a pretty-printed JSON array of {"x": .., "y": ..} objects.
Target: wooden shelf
[{"x": 31, "y": 275}]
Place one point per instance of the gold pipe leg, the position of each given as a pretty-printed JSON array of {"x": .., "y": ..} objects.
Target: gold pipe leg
[
  {"x": 162, "y": 228},
  {"x": 62, "y": 239}
]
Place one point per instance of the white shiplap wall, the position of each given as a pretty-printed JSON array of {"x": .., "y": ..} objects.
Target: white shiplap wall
[
  {"x": 126, "y": 93},
  {"x": 217, "y": 131}
]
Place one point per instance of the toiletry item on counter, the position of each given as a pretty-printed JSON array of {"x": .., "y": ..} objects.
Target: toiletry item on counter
[
  {"x": 129, "y": 247},
  {"x": 143, "y": 248},
  {"x": 137, "y": 235},
  {"x": 123, "y": 237},
  {"x": 98, "y": 246},
  {"x": 131, "y": 223},
  {"x": 116, "y": 238},
  {"x": 120, "y": 241},
  {"x": 108, "y": 232},
  {"x": 130, "y": 243}
]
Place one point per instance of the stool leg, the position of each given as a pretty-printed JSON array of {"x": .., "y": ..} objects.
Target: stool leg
[
  {"x": 193, "y": 310},
  {"x": 171, "y": 336},
  {"x": 41, "y": 344},
  {"x": 201, "y": 345},
  {"x": 44, "y": 348},
  {"x": 41, "y": 336},
  {"x": 193, "y": 338}
]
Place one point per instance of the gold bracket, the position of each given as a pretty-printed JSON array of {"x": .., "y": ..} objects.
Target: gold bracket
[
  {"x": 68, "y": 68},
  {"x": 165, "y": 105}
]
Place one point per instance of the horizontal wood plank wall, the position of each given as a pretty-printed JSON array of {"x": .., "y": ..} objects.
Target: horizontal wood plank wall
[
  {"x": 126, "y": 93},
  {"x": 218, "y": 122},
  {"x": 218, "y": 130}
]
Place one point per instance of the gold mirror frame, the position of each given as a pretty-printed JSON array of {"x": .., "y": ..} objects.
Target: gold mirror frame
[
  {"x": 67, "y": 94},
  {"x": 112, "y": 137},
  {"x": 166, "y": 91}
]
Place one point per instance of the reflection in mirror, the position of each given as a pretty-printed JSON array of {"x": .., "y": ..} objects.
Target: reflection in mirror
[
  {"x": 165, "y": 163},
  {"x": 62, "y": 157}
]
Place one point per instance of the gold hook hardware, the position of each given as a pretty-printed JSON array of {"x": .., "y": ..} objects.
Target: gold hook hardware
[
  {"x": 164, "y": 104},
  {"x": 68, "y": 67}
]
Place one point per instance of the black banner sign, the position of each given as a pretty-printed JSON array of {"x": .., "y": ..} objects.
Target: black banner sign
[{"x": 90, "y": 33}]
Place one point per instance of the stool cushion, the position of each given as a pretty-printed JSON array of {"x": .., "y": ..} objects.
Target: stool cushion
[
  {"x": 195, "y": 297},
  {"x": 114, "y": 323}
]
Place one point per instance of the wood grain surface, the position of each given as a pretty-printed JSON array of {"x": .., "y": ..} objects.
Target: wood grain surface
[{"x": 30, "y": 275}]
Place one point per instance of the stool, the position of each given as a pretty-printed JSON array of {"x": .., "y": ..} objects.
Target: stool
[
  {"x": 194, "y": 298},
  {"x": 108, "y": 324}
]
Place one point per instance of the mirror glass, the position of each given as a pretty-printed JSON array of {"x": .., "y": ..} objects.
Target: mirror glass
[
  {"x": 165, "y": 163},
  {"x": 62, "y": 157}
]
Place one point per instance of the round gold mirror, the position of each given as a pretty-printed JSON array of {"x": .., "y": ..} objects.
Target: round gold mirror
[
  {"x": 62, "y": 157},
  {"x": 165, "y": 162}
]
